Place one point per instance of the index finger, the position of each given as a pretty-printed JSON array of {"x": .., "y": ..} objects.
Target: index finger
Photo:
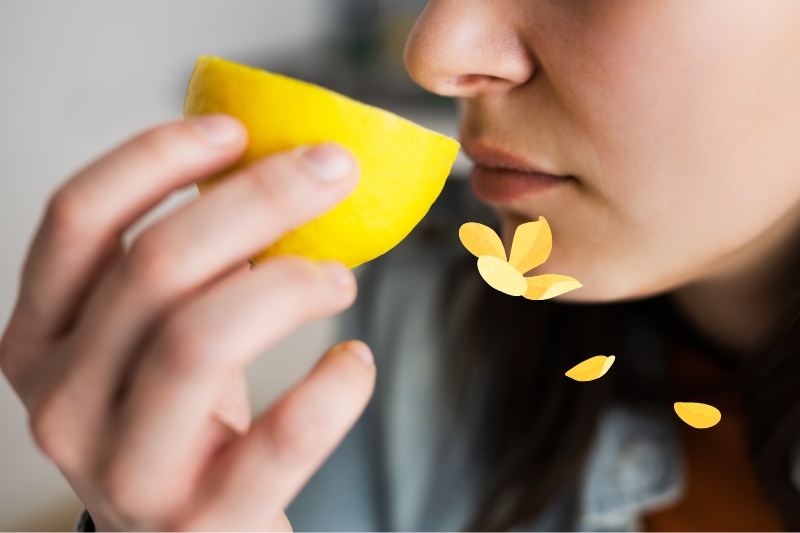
[{"x": 87, "y": 215}]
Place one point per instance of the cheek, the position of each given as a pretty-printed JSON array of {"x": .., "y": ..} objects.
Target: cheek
[{"x": 692, "y": 111}]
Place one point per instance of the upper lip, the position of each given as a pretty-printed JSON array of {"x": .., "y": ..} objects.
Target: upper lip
[{"x": 493, "y": 157}]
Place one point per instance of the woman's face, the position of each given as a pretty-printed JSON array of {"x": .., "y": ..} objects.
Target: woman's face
[{"x": 659, "y": 139}]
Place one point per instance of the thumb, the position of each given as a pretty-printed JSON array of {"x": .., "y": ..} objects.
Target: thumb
[{"x": 263, "y": 472}]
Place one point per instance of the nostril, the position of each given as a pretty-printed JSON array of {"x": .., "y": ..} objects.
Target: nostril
[
  {"x": 472, "y": 79},
  {"x": 471, "y": 84}
]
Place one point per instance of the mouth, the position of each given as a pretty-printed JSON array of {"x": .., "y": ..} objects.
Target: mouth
[{"x": 500, "y": 177}]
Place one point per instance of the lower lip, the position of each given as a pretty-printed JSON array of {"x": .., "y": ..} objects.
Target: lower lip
[{"x": 502, "y": 186}]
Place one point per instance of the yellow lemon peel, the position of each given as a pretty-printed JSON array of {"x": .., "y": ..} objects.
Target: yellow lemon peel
[
  {"x": 532, "y": 244},
  {"x": 403, "y": 165},
  {"x": 698, "y": 415},
  {"x": 591, "y": 369}
]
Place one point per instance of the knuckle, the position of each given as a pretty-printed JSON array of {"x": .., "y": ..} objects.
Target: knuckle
[
  {"x": 275, "y": 182},
  {"x": 309, "y": 286},
  {"x": 293, "y": 433},
  {"x": 300, "y": 272},
  {"x": 159, "y": 144},
  {"x": 67, "y": 212},
  {"x": 151, "y": 261},
  {"x": 115, "y": 488},
  {"x": 184, "y": 523},
  {"x": 265, "y": 179},
  {"x": 50, "y": 430},
  {"x": 183, "y": 346},
  {"x": 315, "y": 282},
  {"x": 133, "y": 495},
  {"x": 41, "y": 425},
  {"x": 191, "y": 523},
  {"x": 6, "y": 362}
]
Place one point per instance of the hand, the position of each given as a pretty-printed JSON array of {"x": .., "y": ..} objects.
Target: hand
[{"x": 130, "y": 362}]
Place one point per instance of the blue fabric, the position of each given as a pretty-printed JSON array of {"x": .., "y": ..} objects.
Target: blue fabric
[{"x": 407, "y": 467}]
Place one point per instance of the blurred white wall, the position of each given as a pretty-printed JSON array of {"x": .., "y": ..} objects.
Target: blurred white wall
[{"x": 76, "y": 78}]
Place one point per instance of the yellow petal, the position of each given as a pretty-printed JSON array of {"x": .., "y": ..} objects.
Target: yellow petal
[
  {"x": 591, "y": 369},
  {"x": 549, "y": 286},
  {"x": 481, "y": 240},
  {"x": 698, "y": 415},
  {"x": 532, "y": 244},
  {"x": 501, "y": 276}
]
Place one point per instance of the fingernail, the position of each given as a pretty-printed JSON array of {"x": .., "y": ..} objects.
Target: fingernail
[
  {"x": 328, "y": 161},
  {"x": 339, "y": 273},
  {"x": 362, "y": 351},
  {"x": 219, "y": 130}
]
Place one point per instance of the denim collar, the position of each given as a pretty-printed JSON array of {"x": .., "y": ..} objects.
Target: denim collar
[{"x": 635, "y": 466}]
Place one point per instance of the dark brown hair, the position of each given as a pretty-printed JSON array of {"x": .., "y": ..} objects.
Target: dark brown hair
[{"x": 534, "y": 426}]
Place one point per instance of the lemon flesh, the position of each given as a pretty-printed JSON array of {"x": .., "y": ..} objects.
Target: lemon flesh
[{"x": 403, "y": 165}]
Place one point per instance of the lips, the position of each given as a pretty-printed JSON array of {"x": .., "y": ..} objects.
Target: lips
[{"x": 501, "y": 177}]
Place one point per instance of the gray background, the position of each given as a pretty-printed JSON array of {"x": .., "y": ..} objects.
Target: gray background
[
  {"x": 75, "y": 79},
  {"x": 78, "y": 77}
]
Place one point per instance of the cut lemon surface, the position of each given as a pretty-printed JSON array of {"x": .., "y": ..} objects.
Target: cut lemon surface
[{"x": 403, "y": 165}]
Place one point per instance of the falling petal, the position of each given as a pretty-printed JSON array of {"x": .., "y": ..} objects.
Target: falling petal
[
  {"x": 607, "y": 365},
  {"x": 532, "y": 244},
  {"x": 481, "y": 240},
  {"x": 698, "y": 415},
  {"x": 501, "y": 276},
  {"x": 549, "y": 286},
  {"x": 591, "y": 369}
]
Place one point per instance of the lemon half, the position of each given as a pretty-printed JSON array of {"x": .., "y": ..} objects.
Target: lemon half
[{"x": 403, "y": 165}]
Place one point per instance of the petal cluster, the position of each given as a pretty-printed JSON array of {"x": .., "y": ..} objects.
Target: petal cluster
[{"x": 531, "y": 247}]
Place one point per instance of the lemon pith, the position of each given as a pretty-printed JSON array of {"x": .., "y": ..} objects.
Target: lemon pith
[{"x": 403, "y": 165}]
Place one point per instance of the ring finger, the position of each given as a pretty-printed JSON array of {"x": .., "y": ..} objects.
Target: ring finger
[
  {"x": 186, "y": 251},
  {"x": 181, "y": 376}
]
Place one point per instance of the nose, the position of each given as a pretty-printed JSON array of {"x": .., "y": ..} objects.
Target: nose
[{"x": 465, "y": 48}]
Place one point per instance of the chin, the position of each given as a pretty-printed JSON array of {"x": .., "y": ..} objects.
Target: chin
[
  {"x": 605, "y": 287},
  {"x": 604, "y": 280},
  {"x": 579, "y": 297}
]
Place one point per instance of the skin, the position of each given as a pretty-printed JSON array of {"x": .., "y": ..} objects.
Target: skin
[
  {"x": 130, "y": 361},
  {"x": 677, "y": 120}
]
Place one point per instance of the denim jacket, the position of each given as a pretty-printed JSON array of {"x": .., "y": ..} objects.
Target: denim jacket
[{"x": 404, "y": 467}]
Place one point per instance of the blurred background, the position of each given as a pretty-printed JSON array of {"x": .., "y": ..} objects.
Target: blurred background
[{"x": 78, "y": 77}]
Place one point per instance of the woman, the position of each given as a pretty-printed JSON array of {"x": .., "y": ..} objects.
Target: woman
[{"x": 659, "y": 139}]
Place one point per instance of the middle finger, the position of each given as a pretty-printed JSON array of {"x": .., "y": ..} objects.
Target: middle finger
[
  {"x": 162, "y": 427},
  {"x": 186, "y": 251}
]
